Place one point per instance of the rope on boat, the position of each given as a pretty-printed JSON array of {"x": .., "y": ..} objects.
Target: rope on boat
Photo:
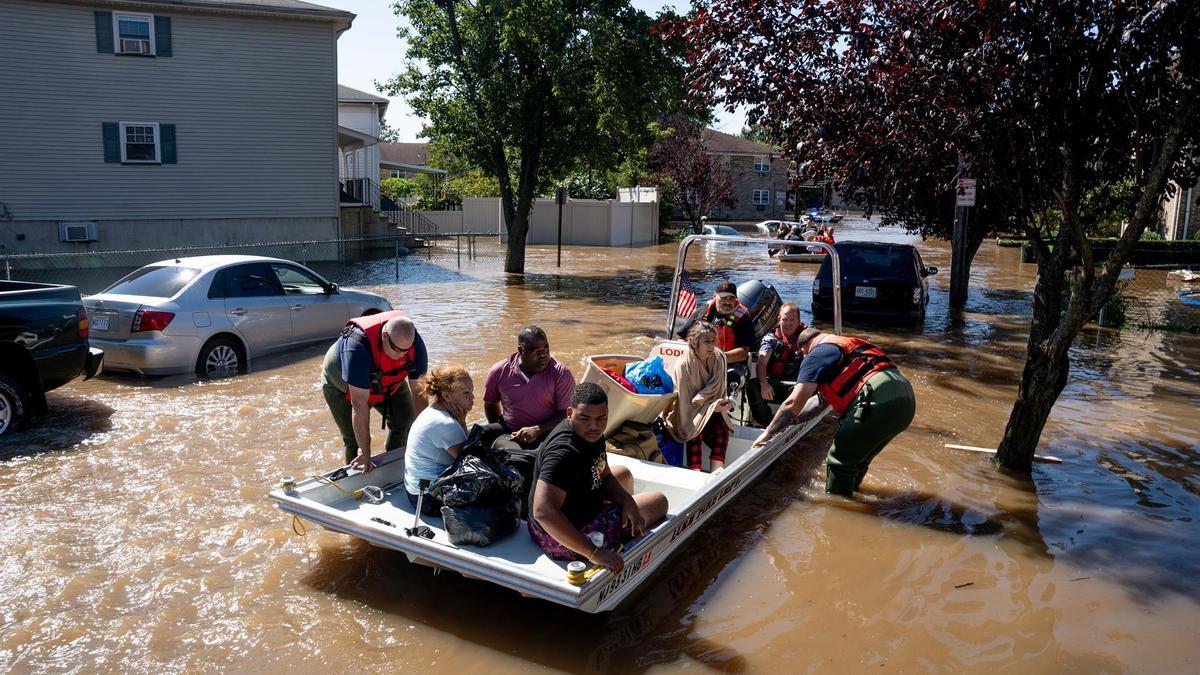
[
  {"x": 357, "y": 494},
  {"x": 298, "y": 525}
]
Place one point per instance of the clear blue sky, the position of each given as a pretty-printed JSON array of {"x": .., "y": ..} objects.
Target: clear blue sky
[{"x": 370, "y": 51}]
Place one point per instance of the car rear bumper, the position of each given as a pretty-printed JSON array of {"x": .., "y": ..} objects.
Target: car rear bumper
[
  {"x": 151, "y": 356},
  {"x": 94, "y": 363},
  {"x": 912, "y": 314}
]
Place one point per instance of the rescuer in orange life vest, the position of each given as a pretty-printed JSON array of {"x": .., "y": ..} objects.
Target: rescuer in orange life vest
[
  {"x": 778, "y": 363},
  {"x": 735, "y": 330},
  {"x": 866, "y": 391},
  {"x": 374, "y": 364}
]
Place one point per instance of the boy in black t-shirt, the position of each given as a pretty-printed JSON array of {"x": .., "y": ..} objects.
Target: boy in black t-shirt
[{"x": 575, "y": 492}]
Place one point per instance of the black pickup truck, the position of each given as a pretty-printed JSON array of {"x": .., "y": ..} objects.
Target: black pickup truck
[{"x": 43, "y": 345}]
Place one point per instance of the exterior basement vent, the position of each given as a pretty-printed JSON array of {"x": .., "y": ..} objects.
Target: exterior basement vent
[{"x": 77, "y": 232}]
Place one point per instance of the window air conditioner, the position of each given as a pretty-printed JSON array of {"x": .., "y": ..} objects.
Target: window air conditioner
[
  {"x": 135, "y": 46},
  {"x": 77, "y": 232}
]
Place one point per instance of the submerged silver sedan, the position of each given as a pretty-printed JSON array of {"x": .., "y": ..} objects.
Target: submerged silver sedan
[{"x": 214, "y": 314}]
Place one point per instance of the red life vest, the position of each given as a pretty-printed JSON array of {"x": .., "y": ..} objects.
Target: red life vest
[
  {"x": 785, "y": 353},
  {"x": 860, "y": 360},
  {"x": 724, "y": 324},
  {"x": 387, "y": 374}
]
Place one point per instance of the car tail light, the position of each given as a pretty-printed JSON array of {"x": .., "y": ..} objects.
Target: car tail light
[
  {"x": 149, "y": 319},
  {"x": 917, "y": 295},
  {"x": 84, "y": 323}
]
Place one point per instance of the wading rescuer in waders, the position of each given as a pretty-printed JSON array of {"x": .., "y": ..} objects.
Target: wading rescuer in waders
[
  {"x": 866, "y": 391},
  {"x": 374, "y": 364}
]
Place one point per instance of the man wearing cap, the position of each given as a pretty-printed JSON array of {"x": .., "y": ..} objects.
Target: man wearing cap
[
  {"x": 735, "y": 329},
  {"x": 778, "y": 363},
  {"x": 867, "y": 392}
]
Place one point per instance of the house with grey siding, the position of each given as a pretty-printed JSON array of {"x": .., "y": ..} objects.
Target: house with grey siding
[{"x": 184, "y": 123}]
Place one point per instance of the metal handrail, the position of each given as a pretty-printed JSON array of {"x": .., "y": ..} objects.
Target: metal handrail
[
  {"x": 687, "y": 243},
  {"x": 370, "y": 193}
]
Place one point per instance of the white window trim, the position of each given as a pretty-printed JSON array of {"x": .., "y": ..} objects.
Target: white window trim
[
  {"x": 157, "y": 142},
  {"x": 117, "y": 32},
  {"x": 766, "y": 198},
  {"x": 762, "y": 163}
]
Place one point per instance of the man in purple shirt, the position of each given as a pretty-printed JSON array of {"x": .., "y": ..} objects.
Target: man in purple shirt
[{"x": 527, "y": 394}]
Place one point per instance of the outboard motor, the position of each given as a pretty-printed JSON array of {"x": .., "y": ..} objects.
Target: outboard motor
[{"x": 763, "y": 301}]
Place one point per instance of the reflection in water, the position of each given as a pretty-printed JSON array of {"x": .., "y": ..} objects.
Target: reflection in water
[{"x": 138, "y": 535}]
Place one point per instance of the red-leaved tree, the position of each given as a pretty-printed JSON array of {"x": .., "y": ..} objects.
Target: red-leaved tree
[
  {"x": 1044, "y": 100},
  {"x": 696, "y": 180}
]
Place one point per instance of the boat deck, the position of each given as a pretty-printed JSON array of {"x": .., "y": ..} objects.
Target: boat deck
[{"x": 516, "y": 561}]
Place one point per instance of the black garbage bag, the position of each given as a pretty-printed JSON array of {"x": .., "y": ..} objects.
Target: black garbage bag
[
  {"x": 479, "y": 476},
  {"x": 480, "y": 525}
]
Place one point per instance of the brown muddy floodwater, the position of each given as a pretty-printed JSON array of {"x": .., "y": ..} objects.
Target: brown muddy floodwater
[{"x": 137, "y": 535}]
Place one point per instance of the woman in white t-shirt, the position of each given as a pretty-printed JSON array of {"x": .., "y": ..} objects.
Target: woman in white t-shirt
[{"x": 439, "y": 431}]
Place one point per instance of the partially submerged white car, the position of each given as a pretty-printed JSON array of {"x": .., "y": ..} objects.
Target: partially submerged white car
[{"x": 214, "y": 314}]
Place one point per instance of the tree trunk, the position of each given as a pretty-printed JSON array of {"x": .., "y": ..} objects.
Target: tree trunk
[
  {"x": 514, "y": 257},
  {"x": 1042, "y": 380},
  {"x": 1046, "y": 364}
]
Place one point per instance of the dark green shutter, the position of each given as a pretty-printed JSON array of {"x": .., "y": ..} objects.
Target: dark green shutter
[
  {"x": 167, "y": 143},
  {"x": 162, "y": 36},
  {"x": 112, "y": 141},
  {"x": 104, "y": 33}
]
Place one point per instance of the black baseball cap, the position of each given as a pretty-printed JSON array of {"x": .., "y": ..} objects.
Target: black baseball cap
[{"x": 727, "y": 288}]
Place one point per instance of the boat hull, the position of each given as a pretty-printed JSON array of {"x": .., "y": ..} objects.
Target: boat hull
[{"x": 604, "y": 591}]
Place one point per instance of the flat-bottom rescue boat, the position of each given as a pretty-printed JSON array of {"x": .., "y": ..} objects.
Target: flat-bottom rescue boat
[{"x": 335, "y": 501}]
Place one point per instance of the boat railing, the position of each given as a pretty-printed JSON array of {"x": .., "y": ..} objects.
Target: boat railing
[{"x": 687, "y": 243}]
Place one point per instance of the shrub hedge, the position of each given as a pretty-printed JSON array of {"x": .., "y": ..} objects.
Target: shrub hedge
[{"x": 1157, "y": 252}]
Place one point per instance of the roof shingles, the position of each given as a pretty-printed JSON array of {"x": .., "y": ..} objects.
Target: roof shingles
[{"x": 723, "y": 143}]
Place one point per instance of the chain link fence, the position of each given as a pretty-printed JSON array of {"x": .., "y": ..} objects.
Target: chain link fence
[
  {"x": 1151, "y": 299},
  {"x": 363, "y": 261}
]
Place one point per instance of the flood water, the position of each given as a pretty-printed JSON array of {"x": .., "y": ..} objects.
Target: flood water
[{"x": 137, "y": 535}]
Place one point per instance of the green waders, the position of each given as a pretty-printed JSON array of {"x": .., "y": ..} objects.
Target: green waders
[
  {"x": 397, "y": 410},
  {"x": 882, "y": 409},
  {"x": 760, "y": 410}
]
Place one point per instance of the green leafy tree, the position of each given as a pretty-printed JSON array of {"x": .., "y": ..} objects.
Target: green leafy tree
[
  {"x": 438, "y": 193},
  {"x": 530, "y": 90},
  {"x": 388, "y": 133},
  {"x": 398, "y": 188},
  {"x": 590, "y": 186}
]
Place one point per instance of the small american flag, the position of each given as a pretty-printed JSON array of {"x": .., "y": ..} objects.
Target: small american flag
[{"x": 687, "y": 297}]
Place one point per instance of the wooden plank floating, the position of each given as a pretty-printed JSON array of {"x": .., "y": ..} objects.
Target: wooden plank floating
[{"x": 1047, "y": 459}]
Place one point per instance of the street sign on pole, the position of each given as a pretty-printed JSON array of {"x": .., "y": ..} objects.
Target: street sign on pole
[{"x": 965, "y": 194}]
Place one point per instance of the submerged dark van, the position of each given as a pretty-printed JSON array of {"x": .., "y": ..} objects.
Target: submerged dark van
[{"x": 879, "y": 281}]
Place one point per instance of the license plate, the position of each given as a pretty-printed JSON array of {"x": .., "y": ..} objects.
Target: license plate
[
  {"x": 99, "y": 322},
  {"x": 864, "y": 291}
]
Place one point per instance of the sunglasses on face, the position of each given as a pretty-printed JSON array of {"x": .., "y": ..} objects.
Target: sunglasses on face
[{"x": 392, "y": 344}]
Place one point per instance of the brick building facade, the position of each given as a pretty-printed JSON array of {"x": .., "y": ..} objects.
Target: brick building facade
[{"x": 760, "y": 177}]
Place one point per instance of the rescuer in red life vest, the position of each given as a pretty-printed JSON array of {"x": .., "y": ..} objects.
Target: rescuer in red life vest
[
  {"x": 866, "y": 391},
  {"x": 735, "y": 332},
  {"x": 778, "y": 363},
  {"x": 376, "y": 363}
]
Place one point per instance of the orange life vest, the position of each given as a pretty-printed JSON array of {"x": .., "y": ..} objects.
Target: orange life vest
[
  {"x": 724, "y": 324},
  {"x": 387, "y": 374},
  {"x": 860, "y": 360},
  {"x": 785, "y": 353}
]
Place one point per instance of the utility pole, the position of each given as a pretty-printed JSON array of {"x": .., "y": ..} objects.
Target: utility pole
[
  {"x": 560, "y": 197},
  {"x": 964, "y": 199}
]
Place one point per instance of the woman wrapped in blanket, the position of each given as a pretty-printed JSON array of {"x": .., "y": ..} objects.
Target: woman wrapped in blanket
[{"x": 700, "y": 414}]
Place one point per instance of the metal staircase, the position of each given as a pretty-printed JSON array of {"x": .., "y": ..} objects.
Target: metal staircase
[{"x": 401, "y": 216}]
